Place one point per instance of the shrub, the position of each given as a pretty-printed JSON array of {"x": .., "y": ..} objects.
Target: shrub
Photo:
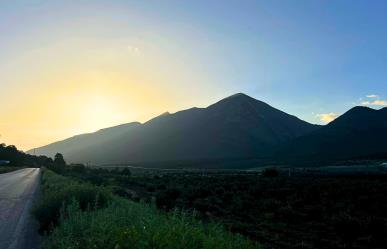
[
  {"x": 4, "y": 169},
  {"x": 167, "y": 198},
  {"x": 58, "y": 192},
  {"x": 270, "y": 173},
  {"x": 89, "y": 217},
  {"x": 126, "y": 172},
  {"x": 78, "y": 168},
  {"x": 125, "y": 224}
]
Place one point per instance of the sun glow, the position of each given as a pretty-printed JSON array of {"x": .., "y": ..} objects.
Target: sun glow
[
  {"x": 81, "y": 104},
  {"x": 64, "y": 76}
]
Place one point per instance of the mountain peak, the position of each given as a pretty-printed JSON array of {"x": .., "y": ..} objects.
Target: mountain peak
[
  {"x": 240, "y": 102},
  {"x": 358, "y": 116},
  {"x": 164, "y": 114},
  {"x": 235, "y": 98},
  {"x": 360, "y": 107},
  {"x": 131, "y": 124},
  {"x": 358, "y": 110},
  {"x": 239, "y": 95}
]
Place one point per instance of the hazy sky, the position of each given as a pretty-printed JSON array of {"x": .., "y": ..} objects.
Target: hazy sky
[{"x": 69, "y": 67}]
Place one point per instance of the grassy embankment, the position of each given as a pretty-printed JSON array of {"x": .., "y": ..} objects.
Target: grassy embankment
[
  {"x": 80, "y": 215},
  {"x": 5, "y": 169}
]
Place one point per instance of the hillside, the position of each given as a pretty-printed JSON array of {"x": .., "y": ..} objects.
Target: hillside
[
  {"x": 236, "y": 127},
  {"x": 359, "y": 133},
  {"x": 80, "y": 142}
]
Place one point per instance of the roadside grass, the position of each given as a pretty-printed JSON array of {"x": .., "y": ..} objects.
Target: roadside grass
[
  {"x": 58, "y": 192},
  {"x": 121, "y": 223},
  {"x": 5, "y": 169}
]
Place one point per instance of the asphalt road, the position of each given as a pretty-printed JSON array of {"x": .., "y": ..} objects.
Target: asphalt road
[{"x": 18, "y": 190}]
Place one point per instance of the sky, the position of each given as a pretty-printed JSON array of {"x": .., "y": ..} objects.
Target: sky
[{"x": 70, "y": 67}]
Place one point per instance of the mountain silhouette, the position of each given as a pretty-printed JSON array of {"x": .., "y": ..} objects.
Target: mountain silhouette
[
  {"x": 361, "y": 132},
  {"x": 238, "y": 126}
]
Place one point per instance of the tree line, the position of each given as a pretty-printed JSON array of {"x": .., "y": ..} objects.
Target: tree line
[{"x": 18, "y": 158}]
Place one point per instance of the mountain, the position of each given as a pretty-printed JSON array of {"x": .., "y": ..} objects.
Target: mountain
[
  {"x": 359, "y": 133},
  {"x": 236, "y": 127},
  {"x": 84, "y": 141}
]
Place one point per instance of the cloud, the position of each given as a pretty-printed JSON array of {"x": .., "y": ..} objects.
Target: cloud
[
  {"x": 373, "y": 100},
  {"x": 134, "y": 50},
  {"x": 374, "y": 103},
  {"x": 327, "y": 117}
]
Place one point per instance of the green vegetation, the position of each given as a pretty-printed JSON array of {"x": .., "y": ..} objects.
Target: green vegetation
[
  {"x": 310, "y": 209},
  {"x": 4, "y": 169},
  {"x": 19, "y": 158},
  {"x": 59, "y": 192},
  {"x": 91, "y": 218},
  {"x": 125, "y": 224}
]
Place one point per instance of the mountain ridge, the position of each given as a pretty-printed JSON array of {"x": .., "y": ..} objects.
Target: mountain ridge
[
  {"x": 238, "y": 126},
  {"x": 359, "y": 132}
]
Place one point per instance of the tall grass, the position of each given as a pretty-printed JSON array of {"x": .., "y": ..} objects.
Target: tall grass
[
  {"x": 123, "y": 224},
  {"x": 6, "y": 169},
  {"x": 58, "y": 192}
]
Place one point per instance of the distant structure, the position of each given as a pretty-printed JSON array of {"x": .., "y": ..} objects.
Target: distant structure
[
  {"x": 4, "y": 162},
  {"x": 383, "y": 165}
]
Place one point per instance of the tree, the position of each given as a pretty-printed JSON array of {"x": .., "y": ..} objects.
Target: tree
[
  {"x": 270, "y": 173},
  {"x": 47, "y": 161},
  {"x": 78, "y": 168},
  {"x": 126, "y": 172},
  {"x": 59, "y": 160}
]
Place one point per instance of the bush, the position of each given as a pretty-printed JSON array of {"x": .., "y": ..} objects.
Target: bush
[
  {"x": 126, "y": 172},
  {"x": 78, "y": 168},
  {"x": 89, "y": 217},
  {"x": 270, "y": 173},
  {"x": 167, "y": 198},
  {"x": 125, "y": 224},
  {"x": 5, "y": 169},
  {"x": 58, "y": 192}
]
